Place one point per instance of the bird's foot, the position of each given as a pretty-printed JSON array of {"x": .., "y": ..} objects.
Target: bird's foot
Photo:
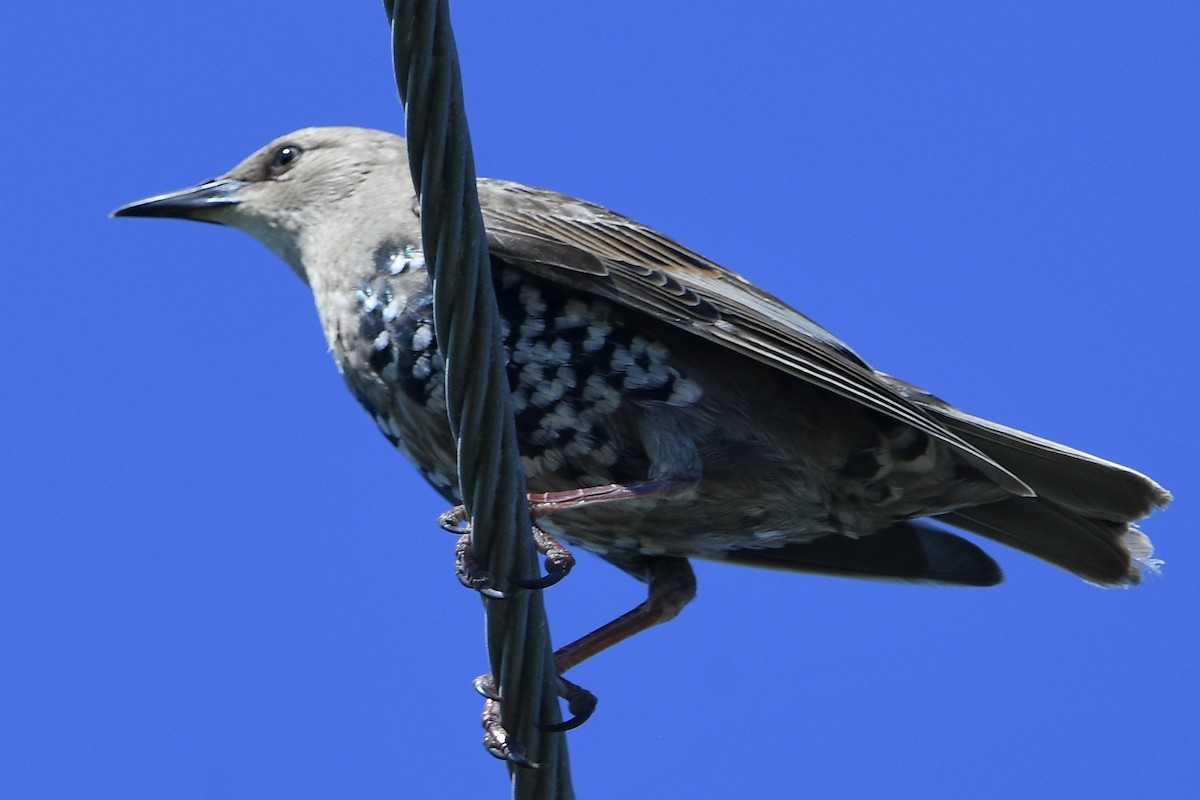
[
  {"x": 559, "y": 560},
  {"x": 580, "y": 702}
]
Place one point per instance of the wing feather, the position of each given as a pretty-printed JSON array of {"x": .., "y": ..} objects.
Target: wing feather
[{"x": 585, "y": 246}]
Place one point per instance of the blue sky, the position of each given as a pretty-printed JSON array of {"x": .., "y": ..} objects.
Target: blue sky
[{"x": 217, "y": 580}]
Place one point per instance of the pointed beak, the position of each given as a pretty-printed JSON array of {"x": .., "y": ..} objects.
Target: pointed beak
[{"x": 202, "y": 203}]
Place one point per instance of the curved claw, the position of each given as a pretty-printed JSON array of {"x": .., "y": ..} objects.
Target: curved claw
[
  {"x": 470, "y": 574},
  {"x": 455, "y": 520},
  {"x": 515, "y": 756},
  {"x": 486, "y": 686},
  {"x": 482, "y": 583},
  {"x": 559, "y": 561},
  {"x": 496, "y": 741},
  {"x": 542, "y": 582},
  {"x": 566, "y": 725},
  {"x": 580, "y": 702}
]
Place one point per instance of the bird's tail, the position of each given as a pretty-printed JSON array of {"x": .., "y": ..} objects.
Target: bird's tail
[{"x": 1083, "y": 516}]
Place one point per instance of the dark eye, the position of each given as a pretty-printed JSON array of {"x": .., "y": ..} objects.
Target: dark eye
[{"x": 284, "y": 157}]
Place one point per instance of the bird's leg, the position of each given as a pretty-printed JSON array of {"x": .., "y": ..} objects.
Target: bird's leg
[
  {"x": 559, "y": 560},
  {"x": 546, "y": 503},
  {"x": 671, "y": 585}
]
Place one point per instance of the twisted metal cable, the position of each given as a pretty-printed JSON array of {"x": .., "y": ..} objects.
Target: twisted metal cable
[{"x": 477, "y": 392}]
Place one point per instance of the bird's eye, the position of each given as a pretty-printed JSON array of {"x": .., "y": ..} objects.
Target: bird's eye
[{"x": 284, "y": 157}]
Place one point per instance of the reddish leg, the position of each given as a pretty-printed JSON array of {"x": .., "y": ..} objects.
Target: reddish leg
[
  {"x": 546, "y": 503},
  {"x": 671, "y": 586}
]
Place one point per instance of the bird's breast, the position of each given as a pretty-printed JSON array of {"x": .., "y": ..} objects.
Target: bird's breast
[{"x": 579, "y": 375}]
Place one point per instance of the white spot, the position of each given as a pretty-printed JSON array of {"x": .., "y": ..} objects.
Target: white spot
[
  {"x": 769, "y": 536},
  {"x": 579, "y": 447},
  {"x": 561, "y": 351},
  {"x": 388, "y": 425},
  {"x": 657, "y": 375},
  {"x": 609, "y": 403},
  {"x": 566, "y": 374},
  {"x": 381, "y": 341},
  {"x": 532, "y": 327},
  {"x": 412, "y": 258},
  {"x": 531, "y": 374},
  {"x": 397, "y": 264},
  {"x": 392, "y": 310},
  {"x": 522, "y": 353},
  {"x": 552, "y": 460},
  {"x": 422, "y": 368},
  {"x": 606, "y": 455},
  {"x": 546, "y": 393},
  {"x": 561, "y": 416},
  {"x": 636, "y": 378},
  {"x": 440, "y": 481},
  {"x": 622, "y": 359},
  {"x": 685, "y": 393},
  {"x": 576, "y": 314},
  {"x": 598, "y": 333},
  {"x": 725, "y": 325},
  {"x": 595, "y": 388},
  {"x": 532, "y": 300},
  {"x": 422, "y": 336}
]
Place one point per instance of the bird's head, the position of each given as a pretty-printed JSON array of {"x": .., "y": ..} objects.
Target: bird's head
[{"x": 308, "y": 191}]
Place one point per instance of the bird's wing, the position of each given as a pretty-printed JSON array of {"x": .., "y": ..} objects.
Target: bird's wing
[{"x": 584, "y": 246}]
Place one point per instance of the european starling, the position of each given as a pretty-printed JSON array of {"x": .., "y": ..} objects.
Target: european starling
[{"x": 708, "y": 418}]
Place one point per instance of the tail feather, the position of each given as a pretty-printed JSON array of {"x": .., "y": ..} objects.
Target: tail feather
[
  {"x": 1083, "y": 516},
  {"x": 1067, "y": 477},
  {"x": 906, "y": 551},
  {"x": 1100, "y": 551}
]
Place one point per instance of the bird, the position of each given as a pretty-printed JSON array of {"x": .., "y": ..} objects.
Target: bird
[{"x": 666, "y": 408}]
